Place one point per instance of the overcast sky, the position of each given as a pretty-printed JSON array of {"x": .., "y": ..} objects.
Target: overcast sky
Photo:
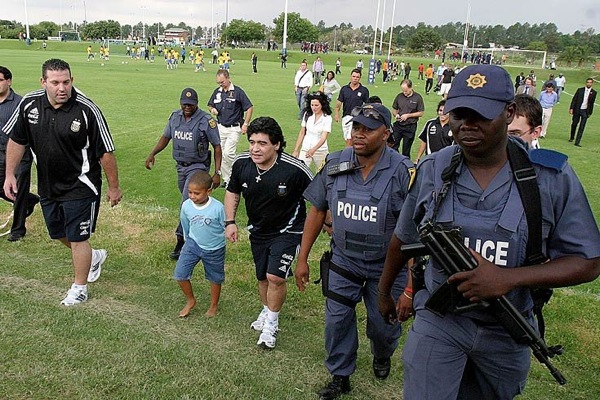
[{"x": 569, "y": 16}]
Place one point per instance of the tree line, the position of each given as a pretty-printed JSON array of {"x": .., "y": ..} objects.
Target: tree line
[{"x": 415, "y": 38}]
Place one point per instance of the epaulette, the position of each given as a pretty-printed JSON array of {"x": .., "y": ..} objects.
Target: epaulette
[
  {"x": 411, "y": 169},
  {"x": 549, "y": 159}
]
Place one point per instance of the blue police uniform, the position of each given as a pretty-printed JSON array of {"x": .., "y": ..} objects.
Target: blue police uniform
[
  {"x": 364, "y": 213},
  {"x": 191, "y": 141},
  {"x": 471, "y": 355}
]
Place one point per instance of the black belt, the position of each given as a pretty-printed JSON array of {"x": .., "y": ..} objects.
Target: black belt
[
  {"x": 230, "y": 126},
  {"x": 186, "y": 164}
]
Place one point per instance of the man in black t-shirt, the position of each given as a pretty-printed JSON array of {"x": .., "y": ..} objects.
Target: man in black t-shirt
[
  {"x": 436, "y": 134},
  {"x": 272, "y": 183},
  {"x": 408, "y": 107},
  {"x": 70, "y": 138}
]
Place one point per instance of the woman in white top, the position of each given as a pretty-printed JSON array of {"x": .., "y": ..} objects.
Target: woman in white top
[
  {"x": 330, "y": 85},
  {"x": 311, "y": 145}
]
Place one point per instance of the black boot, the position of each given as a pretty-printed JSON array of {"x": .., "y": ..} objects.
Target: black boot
[
  {"x": 174, "y": 255},
  {"x": 338, "y": 386},
  {"x": 381, "y": 367}
]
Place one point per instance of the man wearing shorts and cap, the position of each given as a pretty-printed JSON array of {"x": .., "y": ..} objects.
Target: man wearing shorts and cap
[
  {"x": 193, "y": 131},
  {"x": 359, "y": 192},
  {"x": 470, "y": 354}
]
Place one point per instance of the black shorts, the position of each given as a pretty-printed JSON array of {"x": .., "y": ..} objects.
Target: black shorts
[
  {"x": 71, "y": 219},
  {"x": 275, "y": 256}
]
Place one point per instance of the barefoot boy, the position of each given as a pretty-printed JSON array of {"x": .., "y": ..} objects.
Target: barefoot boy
[{"x": 203, "y": 222}]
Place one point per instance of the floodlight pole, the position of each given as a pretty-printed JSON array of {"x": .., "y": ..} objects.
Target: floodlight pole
[
  {"x": 26, "y": 19},
  {"x": 391, "y": 31},
  {"x": 285, "y": 22},
  {"x": 376, "y": 23},
  {"x": 382, "y": 30},
  {"x": 466, "y": 37}
]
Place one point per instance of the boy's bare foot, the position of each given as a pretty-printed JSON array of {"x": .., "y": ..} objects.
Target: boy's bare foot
[
  {"x": 211, "y": 312},
  {"x": 185, "y": 311}
]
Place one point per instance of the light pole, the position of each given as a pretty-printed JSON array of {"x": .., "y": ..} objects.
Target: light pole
[{"x": 285, "y": 22}]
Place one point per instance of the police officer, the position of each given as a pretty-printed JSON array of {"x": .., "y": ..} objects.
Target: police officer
[
  {"x": 470, "y": 355},
  {"x": 233, "y": 110},
  {"x": 192, "y": 130},
  {"x": 363, "y": 188},
  {"x": 24, "y": 201}
]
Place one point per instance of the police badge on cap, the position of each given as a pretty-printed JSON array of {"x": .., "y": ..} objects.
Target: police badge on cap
[{"x": 189, "y": 96}]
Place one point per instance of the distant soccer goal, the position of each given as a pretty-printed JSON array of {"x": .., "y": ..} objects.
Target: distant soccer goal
[
  {"x": 495, "y": 55},
  {"x": 69, "y": 35}
]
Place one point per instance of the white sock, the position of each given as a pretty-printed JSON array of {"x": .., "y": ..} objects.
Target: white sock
[
  {"x": 94, "y": 257},
  {"x": 265, "y": 309},
  {"x": 272, "y": 315},
  {"x": 79, "y": 287}
]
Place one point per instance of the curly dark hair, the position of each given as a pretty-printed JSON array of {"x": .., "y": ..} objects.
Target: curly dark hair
[
  {"x": 268, "y": 126},
  {"x": 326, "y": 107}
]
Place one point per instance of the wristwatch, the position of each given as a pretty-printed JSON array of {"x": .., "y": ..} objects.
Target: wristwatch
[{"x": 230, "y": 222}]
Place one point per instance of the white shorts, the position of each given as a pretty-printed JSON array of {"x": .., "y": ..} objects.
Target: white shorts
[
  {"x": 444, "y": 89},
  {"x": 347, "y": 127}
]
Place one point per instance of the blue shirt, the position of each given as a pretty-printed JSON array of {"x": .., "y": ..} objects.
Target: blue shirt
[
  {"x": 231, "y": 104},
  {"x": 204, "y": 224},
  {"x": 548, "y": 100}
]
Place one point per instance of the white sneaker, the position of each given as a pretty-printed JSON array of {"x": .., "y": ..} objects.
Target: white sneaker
[
  {"x": 75, "y": 296},
  {"x": 268, "y": 337},
  {"x": 98, "y": 258},
  {"x": 260, "y": 321}
]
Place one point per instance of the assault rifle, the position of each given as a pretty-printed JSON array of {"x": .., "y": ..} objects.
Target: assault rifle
[{"x": 447, "y": 249}]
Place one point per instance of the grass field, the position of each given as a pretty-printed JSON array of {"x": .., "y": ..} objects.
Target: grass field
[{"x": 127, "y": 341}]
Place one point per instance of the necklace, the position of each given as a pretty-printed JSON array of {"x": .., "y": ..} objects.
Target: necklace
[{"x": 265, "y": 171}]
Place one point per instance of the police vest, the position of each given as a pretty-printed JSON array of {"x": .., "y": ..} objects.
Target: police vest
[
  {"x": 190, "y": 144},
  {"x": 364, "y": 222},
  {"x": 499, "y": 234}
]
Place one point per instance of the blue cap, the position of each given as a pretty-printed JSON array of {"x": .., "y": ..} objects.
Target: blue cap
[
  {"x": 189, "y": 96},
  {"x": 372, "y": 115},
  {"x": 483, "y": 88}
]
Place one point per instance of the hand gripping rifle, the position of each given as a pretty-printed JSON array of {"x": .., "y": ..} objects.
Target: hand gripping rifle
[{"x": 447, "y": 249}]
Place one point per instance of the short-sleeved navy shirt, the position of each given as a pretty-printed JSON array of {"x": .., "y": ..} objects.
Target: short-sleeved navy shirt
[
  {"x": 231, "y": 104},
  {"x": 352, "y": 98}
]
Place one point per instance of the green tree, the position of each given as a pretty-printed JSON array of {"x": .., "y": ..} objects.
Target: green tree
[
  {"x": 48, "y": 28},
  {"x": 299, "y": 29},
  {"x": 537, "y": 45},
  {"x": 101, "y": 29},
  {"x": 245, "y": 31},
  {"x": 425, "y": 38}
]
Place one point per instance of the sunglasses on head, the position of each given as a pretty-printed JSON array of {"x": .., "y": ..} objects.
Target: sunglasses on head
[{"x": 367, "y": 111}]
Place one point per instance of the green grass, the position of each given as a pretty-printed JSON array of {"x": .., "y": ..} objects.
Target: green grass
[{"x": 127, "y": 341}]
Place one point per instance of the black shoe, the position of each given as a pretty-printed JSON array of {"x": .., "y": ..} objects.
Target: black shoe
[
  {"x": 14, "y": 237},
  {"x": 381, "y": 367},
  {"x": 577, "y": 144},
  {"x": 338, "y": 386},
  {"x": 570, "y": 140},
  {"x": 174, "y": 255}
]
